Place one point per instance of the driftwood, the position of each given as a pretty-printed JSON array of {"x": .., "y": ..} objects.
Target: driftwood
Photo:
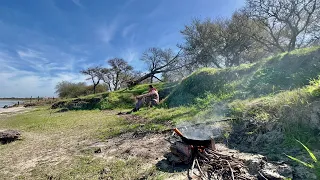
[
  {"x": 8, "y": 136},
  {"x": 214, "y": 165}
]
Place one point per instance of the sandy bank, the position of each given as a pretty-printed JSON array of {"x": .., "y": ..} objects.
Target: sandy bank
[{"x": 13, "y": 110}]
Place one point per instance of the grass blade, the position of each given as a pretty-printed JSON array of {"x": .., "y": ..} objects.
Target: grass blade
[
  {"x": 299, "y": 161},
  {"x": 310, "y": 153}
]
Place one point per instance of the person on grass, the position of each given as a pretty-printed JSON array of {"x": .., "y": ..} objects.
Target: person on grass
[{"x": 151, "y": 99}]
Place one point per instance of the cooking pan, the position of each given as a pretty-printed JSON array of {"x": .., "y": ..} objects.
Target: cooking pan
[{"x": 192, "y": 141}]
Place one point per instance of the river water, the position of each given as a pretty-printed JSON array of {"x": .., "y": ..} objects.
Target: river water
[{"x": 8, "y": 102}]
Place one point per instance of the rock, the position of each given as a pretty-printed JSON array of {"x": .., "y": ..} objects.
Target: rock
[
  {"x": 254, "y": 165},
  {"x": 98, "y": 150},
  {"x": 285, "y": 170},
  {"x": 276, "y": 172},
  {"x": 258, "y": 165},
  {"x": 8, "y": 136}
]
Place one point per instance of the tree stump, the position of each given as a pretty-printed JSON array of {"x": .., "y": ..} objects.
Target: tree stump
[{"x": 7, "y": 136}]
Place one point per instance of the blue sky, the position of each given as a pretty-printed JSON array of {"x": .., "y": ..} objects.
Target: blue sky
[{"x": 43, "y": 42}]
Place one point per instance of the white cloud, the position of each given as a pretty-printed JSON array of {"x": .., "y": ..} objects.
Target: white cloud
[
  {"x": 130, "y": 55},
  {"x": 25, "y": 84},
  {"x": 128, "y": 29},
  {"x": 28, "y": 53},
  {"x": 15, "y": 82},
  {"x": 107, "y": 32},
  {"x": 78, "y": 3}
]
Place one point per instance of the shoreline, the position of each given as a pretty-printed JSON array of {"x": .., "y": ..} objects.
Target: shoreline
[{"x": 13, "y": 110}]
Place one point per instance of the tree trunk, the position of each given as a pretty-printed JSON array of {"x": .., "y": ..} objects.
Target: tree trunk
[
  {"x": 151, "y": 79},
  {"x": 133, "y": 83},
  {"x": 292, "y": 44},
  {"x": 117, "y": 81},
  {"x": 94, "y": 88}
]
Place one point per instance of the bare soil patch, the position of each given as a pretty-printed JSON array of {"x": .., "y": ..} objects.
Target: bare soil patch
[
  {"x": 13, "y": 111},
  {"x": 150, "y": 147}
]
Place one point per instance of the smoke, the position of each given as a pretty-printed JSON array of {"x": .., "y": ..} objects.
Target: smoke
[{"x": 209, "y": 124}]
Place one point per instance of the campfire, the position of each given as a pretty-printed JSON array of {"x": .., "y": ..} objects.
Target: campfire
[{"x": 204, "y": 160}]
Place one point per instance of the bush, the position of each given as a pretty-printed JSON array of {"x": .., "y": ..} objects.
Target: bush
[{"x": 67, "y": 89}]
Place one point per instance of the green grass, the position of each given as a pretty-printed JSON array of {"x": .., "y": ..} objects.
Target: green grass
[
  {"x": 163, "y": 117},
  {"x": 55, "y": 146},
  {"x": 121, "y": 99},
  {"x": 282, "y": 88},
  {"x": 88, "y": 167},
  {"x": 286, "y": 71},
  {"x": 47, "y": 136},
  {"x": 290, "y": 108},
  {"x": 44, "y": 120},
  {"x": 315, "y": 165}
]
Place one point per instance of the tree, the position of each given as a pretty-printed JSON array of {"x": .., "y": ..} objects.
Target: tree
[
  {"x": 117, "y": 75},
  {"x": 287, "y": 24},
  {"x": 120, "y": 72},
  {"x": 94, "y": 74},
  {"x": 67, "y": 89},
  {"x": 156, "y": 58},
  {"x": 159, "y": 61},
  {"x": 201, "y": 42},
  {"x": 219, "y": 43},
  {"x": 107, "y": 77}
]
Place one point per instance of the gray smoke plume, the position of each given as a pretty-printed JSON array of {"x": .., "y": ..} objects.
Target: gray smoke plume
[{"x": 206, "y": 125}]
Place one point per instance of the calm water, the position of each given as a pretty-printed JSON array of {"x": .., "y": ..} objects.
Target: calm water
[{"x": 8, "y": 102}]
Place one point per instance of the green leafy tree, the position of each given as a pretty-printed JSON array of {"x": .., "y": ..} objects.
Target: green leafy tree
[{"x": 67, "y": 89}]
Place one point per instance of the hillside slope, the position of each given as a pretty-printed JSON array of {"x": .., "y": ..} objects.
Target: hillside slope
[{"x": 283, "y": 72}]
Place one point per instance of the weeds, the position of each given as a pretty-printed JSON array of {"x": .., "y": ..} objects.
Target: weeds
[{"x": 315, "y": 165}]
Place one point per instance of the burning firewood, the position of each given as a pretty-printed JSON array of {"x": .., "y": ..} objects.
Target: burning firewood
[{"x": 209, "y": 163}]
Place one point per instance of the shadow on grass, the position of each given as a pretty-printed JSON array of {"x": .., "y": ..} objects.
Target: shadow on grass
[{"x": 165, "y": 166}]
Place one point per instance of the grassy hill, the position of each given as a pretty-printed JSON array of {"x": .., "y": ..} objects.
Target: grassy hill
[
  {"x": 283, "y": 72},
  {"x": 274, "y": 102}
]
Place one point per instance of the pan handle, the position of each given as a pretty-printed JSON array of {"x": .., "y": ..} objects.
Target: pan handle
[{"x": 178, "y": 132}]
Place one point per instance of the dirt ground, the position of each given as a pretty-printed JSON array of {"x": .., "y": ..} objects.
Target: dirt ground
[
  {"x": 41, "y": 152},
  {"x": 13, "y": 110},
  {"x": 147, "y": 146}
]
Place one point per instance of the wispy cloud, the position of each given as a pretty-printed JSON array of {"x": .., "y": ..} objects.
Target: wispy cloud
[
  {"x": 107, "y": 32},
  {"x": 28, "y": 53},
  {"x": 78, "y": 3},
  {"x": 130, "y": 55},
  {"x": 128, "y": 29},
  {"x": 33, "y": 72},
  {"x": 23, "y": 83},
  {"x": 18, "y": 84}
]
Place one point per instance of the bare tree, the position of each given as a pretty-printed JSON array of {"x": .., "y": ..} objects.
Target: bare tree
[
  {"x": 94, "y": 74},
  {"x": 219, "y": 43},
  {"x": 118, "y": 73},
  {"x": 107, "y": 77},
  {"x": 288, "y": 24},
  {"x": 159, "y": 61}
]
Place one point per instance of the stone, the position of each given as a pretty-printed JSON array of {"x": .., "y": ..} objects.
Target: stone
[{"x": 7, "y": 136}]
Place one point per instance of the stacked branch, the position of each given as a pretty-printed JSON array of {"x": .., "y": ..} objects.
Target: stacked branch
[{"x": 213, "y": 165}]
